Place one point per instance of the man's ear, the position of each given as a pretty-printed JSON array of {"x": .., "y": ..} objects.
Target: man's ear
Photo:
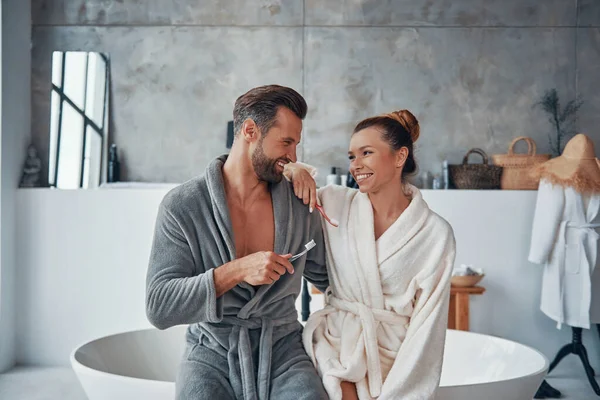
[{"x": 250, "y": 130}]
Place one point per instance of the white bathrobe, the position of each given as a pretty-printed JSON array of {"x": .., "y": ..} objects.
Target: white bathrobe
[
  {"x": 565, "y": 240},
  {"x": 384, "y": 322}
]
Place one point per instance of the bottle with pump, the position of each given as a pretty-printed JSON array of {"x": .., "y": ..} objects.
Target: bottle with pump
[
  {"x": 333, "y": 178},
  {"x": 445, "y": 175}
]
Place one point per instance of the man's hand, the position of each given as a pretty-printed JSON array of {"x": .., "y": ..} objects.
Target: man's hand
[
  {"x": 261, "y": 268},
  {"x": 264, "y": 267}
]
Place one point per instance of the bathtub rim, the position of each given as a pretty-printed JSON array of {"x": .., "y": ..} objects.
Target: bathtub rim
[
  {"x": 123, "y": 378},
  {"x": 75, "y": 364},
  {"x": 543, "y": 370}
]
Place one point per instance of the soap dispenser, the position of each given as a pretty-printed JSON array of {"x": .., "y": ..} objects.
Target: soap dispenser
[{"x": 333, "y": 178}]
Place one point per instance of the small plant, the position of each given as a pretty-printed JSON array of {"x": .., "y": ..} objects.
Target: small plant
[{"x": 562, "y": 120}]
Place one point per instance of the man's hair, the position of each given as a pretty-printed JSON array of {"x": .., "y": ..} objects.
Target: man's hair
[{"x": 261, "y": 105}]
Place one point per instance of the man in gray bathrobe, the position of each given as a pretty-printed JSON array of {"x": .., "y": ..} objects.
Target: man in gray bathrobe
[{"x": 220, "y": 262}]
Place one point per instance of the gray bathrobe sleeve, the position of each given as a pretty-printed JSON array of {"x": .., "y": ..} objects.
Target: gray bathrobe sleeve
[
  {"x": 314, "y": 269},
  {"x": 178, "y": 292}
]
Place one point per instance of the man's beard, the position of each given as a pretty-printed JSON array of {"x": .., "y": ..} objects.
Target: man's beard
[{"x": 264, "y": 167}]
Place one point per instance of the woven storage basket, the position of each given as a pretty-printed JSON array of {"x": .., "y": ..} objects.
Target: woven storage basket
[
  {"x": 516, "y": 168},
  {"x": 475, "y": 176}
]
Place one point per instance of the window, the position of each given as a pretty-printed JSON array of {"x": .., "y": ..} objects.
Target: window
[{"x": 78, "y": 115}]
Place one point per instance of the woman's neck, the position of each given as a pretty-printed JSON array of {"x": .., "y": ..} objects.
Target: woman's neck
[{"x": 389, "y": 202}]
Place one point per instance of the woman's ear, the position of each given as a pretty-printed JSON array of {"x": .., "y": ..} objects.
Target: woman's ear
[{"x": 401, "y": 157}]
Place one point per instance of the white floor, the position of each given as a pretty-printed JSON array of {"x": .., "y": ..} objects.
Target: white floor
[{"x": 38, "y": 383}]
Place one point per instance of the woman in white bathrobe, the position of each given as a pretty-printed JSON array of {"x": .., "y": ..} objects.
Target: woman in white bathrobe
[{"x": 382, "y": 331}]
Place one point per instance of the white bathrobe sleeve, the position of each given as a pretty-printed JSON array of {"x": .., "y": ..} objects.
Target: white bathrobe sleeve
[
  {"x": 417, "y": 369},
  {"x": 546, "y": 220}
]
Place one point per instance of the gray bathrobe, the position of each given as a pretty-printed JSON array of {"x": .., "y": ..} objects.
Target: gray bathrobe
[{"x": 247, "y": 343}]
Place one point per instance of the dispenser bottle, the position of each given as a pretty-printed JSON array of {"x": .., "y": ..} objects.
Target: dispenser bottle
[
  {"x": 114, "y": 170},
  {"x": 333, "y": 178}
]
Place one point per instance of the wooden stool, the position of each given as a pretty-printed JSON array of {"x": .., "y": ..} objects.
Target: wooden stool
[{"x": 458, "y": 313}]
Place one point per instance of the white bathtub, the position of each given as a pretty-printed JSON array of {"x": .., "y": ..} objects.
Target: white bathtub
[{"x": 143, "y": 364}]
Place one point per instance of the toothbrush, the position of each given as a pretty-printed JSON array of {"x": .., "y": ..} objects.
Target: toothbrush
[
  {"x": 307, "y": 246},
  {"x": 332, "y": 221}
]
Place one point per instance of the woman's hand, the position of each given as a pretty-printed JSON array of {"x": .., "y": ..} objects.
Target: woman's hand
[{"x": 305, "y": 187}]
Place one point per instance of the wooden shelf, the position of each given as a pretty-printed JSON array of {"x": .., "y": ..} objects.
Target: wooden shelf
[
  {"x": 458, "y": 312},
  {"x": 470, "y": 290}
]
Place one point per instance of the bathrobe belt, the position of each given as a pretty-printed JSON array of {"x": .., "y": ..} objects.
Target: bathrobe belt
[
  {"x": 369, "y": 318},
  {"x": 253, "y": 388},
  {"x": 586, "y": 229}
]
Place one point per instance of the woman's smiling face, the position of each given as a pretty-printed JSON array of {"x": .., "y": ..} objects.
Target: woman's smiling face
[{"x": 373, "y": 163}]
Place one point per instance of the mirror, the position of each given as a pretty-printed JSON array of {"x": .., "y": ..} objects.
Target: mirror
[{"x": 78, "y": 119}]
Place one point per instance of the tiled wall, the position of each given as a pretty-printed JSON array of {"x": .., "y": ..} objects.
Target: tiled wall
[{"x": 470, "y": 70}]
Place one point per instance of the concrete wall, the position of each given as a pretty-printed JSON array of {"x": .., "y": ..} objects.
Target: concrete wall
[
  {"x": 469, "y": 69},
  {"x": 15, "y": 34}
]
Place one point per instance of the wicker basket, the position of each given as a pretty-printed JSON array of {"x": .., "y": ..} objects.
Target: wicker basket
[
  {"x": 516, "y": 167},
  {"x": 475, "y": 176}
]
